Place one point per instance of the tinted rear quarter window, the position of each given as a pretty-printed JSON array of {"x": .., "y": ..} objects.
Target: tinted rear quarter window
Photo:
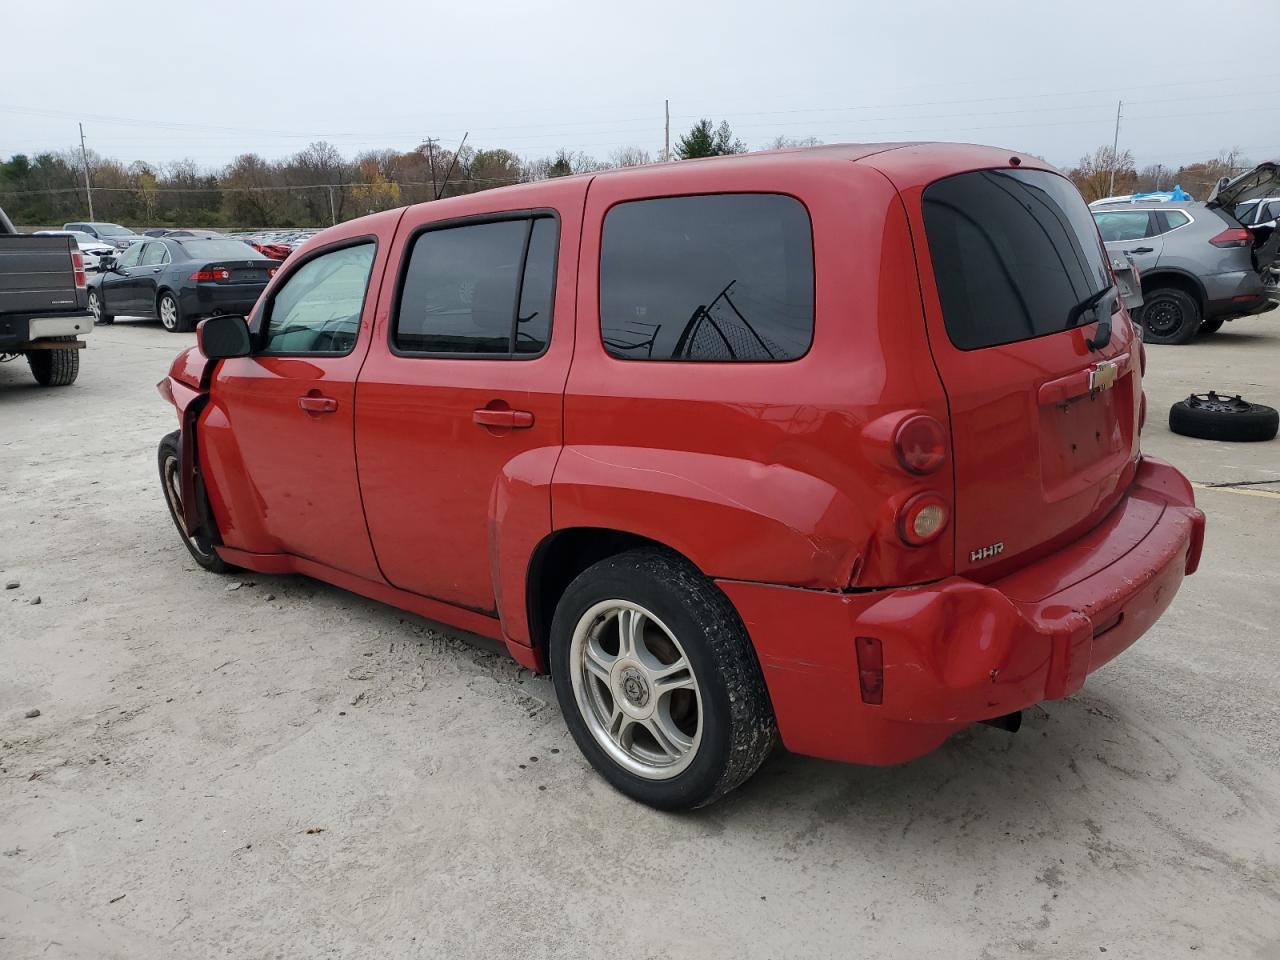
[
  {"x": 720, "y": 278},
  {"x": 1013, "y": 252}
]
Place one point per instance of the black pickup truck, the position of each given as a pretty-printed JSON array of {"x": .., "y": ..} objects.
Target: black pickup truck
[{"x": 43, "y": 304}]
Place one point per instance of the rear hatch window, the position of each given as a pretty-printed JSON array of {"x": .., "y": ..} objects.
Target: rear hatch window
[{"x": 1013, "y": 252}]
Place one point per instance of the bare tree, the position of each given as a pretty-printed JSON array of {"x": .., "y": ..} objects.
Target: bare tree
[
  {"x": 790, "y": 143},
  {"x": 630, "y": 157},
  {"x": 1093, "y": 176}
]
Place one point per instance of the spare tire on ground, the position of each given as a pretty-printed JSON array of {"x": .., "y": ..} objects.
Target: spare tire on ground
[{"x": 1215, "y": 416}]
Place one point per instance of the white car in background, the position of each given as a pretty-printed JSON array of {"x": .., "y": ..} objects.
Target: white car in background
[{"x": 91, "y": 248}]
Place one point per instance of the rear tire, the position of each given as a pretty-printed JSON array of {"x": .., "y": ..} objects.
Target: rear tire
[
  {"x": 200, "y": 547},
  {"x": 676, "y": 716},
  {"x": 1210, "y": 327},
  {"x": 55, "y": 368},
  {"x": 97, "y": 308},
  {"x": 1169, "y": 315},
  {"x": 171, "y": 316}
]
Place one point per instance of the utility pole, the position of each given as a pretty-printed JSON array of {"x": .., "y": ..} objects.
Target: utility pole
[
  {"x": 666, "y": 136},
  {"x": 84, "y": 158},
  {"x": 431, "y": 158},
  {"x": 333, "y": 213},
  {"x": 1115, "y": 146}
]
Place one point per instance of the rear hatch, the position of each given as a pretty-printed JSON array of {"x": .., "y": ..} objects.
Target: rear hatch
[
  {"x": 1244, "y": 199},
  {"x": 1044, "y": 425}
]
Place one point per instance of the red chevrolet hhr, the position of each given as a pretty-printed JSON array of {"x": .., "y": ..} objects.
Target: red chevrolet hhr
[{"x": 837, "y": 445}]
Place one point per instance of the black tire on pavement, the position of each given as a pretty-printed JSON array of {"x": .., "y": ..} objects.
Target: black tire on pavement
[
  {"x": 733, "y": 727},
  {"x": 55, "y": 368},
  {"x": 167, "y": 305},
  {"x": 200, "y": 547},
  {"x": 1210, "y": 326},
  {"x": 96, "y": 308},
  {"x": 1215, "y": 416},
  {"x": 1169, "y": 315}
]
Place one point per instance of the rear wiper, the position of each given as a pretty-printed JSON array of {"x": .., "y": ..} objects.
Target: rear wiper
[{"x": 1104, "y": 296}]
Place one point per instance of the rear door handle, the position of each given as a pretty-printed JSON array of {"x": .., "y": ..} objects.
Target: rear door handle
[
  {"x": 318, "y": 404},
  {"x": 511, "y": 419},
  {"x": 1142, "y": 250}
]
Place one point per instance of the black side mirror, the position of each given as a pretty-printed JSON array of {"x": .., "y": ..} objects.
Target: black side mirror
[
  {"x": 107, "y": 263},
  {"x": 225, "y": 336}
]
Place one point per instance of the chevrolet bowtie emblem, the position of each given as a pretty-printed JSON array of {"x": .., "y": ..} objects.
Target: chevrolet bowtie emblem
[{"x": 1103, "y": 375}]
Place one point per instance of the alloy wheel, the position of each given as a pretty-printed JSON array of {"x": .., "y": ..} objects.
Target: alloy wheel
[
  {"x": 636, "y": 689},
  {"x": 168, "y": 312},
  {"x": 95, "y": 306}
]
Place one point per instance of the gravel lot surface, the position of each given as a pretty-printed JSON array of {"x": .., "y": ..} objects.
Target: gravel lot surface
[{"x": 264, "y": 767}]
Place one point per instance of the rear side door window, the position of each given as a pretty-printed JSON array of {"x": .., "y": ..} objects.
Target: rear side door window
[
  {"x": 1014, "y": 252},
  {"x": 715, "y": 278},
  {"x": 317, "y": 309},
  {"x": 1128, "y": 225},
  {"x": 482, "y": 290}
]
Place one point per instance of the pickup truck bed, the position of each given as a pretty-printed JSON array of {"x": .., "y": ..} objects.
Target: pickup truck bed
[{"x": 43, "y": 303}]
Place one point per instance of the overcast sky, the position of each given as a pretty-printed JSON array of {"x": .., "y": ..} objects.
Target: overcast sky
[{"x": 161, "y": 81}]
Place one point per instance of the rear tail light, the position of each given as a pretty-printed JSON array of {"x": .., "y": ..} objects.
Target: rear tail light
[
  {"x": 922, "y": 519},
  {"x": 921, "y": 444},
  {"x": 77, "y": 266},
  {"x": 1233, "y": 237},
  {"x": 870, "y": 669},
  {"x": 271, "y": 272},
  {"x": 219, "y": 273}
]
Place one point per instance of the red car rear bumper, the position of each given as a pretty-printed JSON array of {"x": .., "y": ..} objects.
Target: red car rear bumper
[{"x": 957, "y": 651}]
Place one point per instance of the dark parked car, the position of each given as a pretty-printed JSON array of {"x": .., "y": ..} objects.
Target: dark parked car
[
  {"x": 112, "y": 233},
  {"x": 178, "y": 280}
]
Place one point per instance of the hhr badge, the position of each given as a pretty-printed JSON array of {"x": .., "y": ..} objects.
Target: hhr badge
[
  {"x": 987, "y": 552},
  {"x": 1103, "y": 375}
]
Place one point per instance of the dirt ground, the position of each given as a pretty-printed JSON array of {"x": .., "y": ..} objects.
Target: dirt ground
[{"x": 267, "y": 767}]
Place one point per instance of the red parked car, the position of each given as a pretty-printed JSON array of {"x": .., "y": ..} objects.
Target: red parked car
[{"x": 838, "y": 445}]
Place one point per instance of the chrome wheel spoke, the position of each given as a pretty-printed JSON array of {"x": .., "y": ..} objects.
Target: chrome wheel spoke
[
  {"x": 673, "y": 741},
  {"x": 675, "y": 676},
  {"x": 620, "y": 726},
  {"x": 597, "y": 662},
  {"x": 630, "y": 632}
]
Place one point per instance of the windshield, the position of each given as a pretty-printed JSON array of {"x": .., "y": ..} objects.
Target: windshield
[
  {"x": 220, "y": 250},
  {"x": 114, "y": 230},
  {"x": 1015, "y": 252}
]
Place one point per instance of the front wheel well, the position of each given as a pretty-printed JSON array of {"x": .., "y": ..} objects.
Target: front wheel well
[{"x": 558, "y": 560}]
